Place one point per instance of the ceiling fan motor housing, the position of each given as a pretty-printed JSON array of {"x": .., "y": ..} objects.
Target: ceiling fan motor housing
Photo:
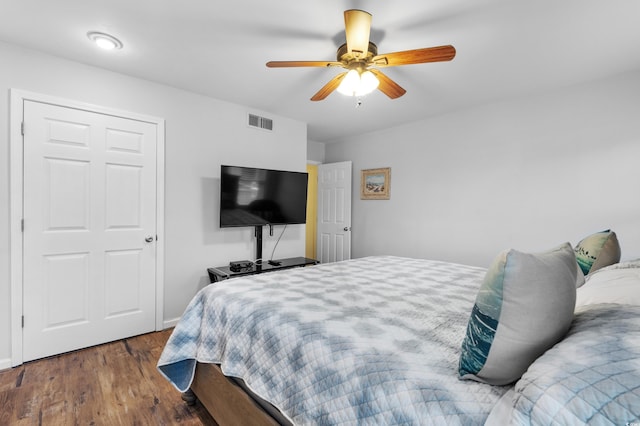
[{"x": 349, "y": 58}]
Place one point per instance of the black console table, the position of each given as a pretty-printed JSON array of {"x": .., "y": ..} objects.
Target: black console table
[{"x": 220, "y": 273}]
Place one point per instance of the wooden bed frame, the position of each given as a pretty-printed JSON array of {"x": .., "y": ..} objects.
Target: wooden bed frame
[{"x": 226, "y": 401}]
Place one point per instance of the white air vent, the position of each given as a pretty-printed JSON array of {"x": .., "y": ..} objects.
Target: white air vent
[{"x": 260, "y": 122}]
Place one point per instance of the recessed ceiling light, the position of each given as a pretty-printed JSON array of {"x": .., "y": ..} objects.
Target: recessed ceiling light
[{"x": 104, "y": 41}]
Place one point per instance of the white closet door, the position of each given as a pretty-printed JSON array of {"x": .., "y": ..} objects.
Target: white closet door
[{"x": 89, "y": 228}]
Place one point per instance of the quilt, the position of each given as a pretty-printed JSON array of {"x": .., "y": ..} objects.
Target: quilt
[
  {"x": 591, "y": 377},
  {"x": 364, "y": 341}
]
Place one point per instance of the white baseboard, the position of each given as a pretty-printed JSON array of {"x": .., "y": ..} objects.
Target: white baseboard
[
  {"x": 5, "y": 363},
  {"x": 170, "y": 323}
]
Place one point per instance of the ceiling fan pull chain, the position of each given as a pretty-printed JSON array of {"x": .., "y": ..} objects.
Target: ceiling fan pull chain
[{"x": 358, "y": 102}]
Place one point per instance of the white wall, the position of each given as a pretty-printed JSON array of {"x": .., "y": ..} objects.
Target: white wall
[
  {"x": 315, "y": 151},
  {"x": 201, "y": 133},
  {"x": 526, "y": 174}
]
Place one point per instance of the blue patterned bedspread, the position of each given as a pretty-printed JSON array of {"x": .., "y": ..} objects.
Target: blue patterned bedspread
[
  {"x": 369, "y": 341},
  {"x": 591, "y": 377}
]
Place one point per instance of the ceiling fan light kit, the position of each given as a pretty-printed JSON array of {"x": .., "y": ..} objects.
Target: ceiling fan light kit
[
  {"x": 358, "y": 84},
  {"x": 360, "y": 58}
]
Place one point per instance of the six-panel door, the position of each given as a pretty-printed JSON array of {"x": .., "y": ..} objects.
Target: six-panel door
[{"x": 89, "y": 205}]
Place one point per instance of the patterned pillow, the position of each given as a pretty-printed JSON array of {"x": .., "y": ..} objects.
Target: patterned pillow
[
  {"x": 598, "y": 250},
  {"x": 524, "y": 306}
]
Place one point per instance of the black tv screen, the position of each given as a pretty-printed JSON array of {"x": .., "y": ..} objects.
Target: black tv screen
[{"x": 254, "y": 197}]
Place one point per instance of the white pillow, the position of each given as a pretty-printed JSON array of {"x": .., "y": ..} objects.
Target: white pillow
[{"x": 619, "y": 283}]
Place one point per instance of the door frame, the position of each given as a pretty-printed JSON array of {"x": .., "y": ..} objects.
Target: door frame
[
  {"x": 311, "y": 229},
  {"x": 16, "y": 172}
]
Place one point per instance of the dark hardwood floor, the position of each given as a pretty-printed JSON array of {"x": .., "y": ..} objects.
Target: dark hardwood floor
[{"x": 112, "y": 384}]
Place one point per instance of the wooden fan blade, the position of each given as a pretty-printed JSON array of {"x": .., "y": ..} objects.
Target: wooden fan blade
[
  {"x": 388, "y": 86},
  {"x": 417, "y": 56},
  {"x": 328, "y": 88},
  {"x": 288, "y": 64},
  {"x": 357, "y": 28}
]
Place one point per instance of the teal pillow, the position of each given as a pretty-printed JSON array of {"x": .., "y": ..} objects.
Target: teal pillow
[
  {"x": 524, "y": 306},
  {"x": 597, "y": 251}
]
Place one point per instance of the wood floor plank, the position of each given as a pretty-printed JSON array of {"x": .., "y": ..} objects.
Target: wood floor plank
[{"x": 112, "y": 384}]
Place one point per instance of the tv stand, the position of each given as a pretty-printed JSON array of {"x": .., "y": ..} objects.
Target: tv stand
[
  {"x": 258, "y": 234},
  {"x": 221, "y": 273}
]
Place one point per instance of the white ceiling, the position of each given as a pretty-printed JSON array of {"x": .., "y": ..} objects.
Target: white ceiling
[{"x": 505, "y": 48}]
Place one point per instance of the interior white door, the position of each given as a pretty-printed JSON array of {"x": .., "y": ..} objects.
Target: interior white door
[
  {"x": 334, "y": 212},
  {"x": 89, "y": 228}
]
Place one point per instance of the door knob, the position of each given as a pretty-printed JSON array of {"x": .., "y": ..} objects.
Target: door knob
[
  {"x": 347, "y": 229},
  {"x": 149, "y": 239}
]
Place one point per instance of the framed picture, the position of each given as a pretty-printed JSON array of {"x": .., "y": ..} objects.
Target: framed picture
[{"x": 375, "y": 184}]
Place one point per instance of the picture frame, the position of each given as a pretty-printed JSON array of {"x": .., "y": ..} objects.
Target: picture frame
[{"x": 375, "y": 184}]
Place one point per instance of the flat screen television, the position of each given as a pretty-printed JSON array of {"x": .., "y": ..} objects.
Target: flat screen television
[{"x": 255, "y": 197}]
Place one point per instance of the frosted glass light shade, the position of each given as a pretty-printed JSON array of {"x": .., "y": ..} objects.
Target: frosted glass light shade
[
  {"x": 368, "y": 83},
  {"x": 350, "y": 83},
  {"x": 355, "y": 84}
]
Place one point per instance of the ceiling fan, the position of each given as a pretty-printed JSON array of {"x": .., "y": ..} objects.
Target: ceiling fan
[{"x": 360, "y": 58}]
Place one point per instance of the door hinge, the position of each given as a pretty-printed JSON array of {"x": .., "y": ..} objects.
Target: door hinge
[
  {"x": 23, "y": 321},
  {"x": 22, "y": 225},
  {"x": 22, "y": 128}
]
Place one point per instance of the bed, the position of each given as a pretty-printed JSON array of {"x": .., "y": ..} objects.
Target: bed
[{"x": 377, "y": 340}]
